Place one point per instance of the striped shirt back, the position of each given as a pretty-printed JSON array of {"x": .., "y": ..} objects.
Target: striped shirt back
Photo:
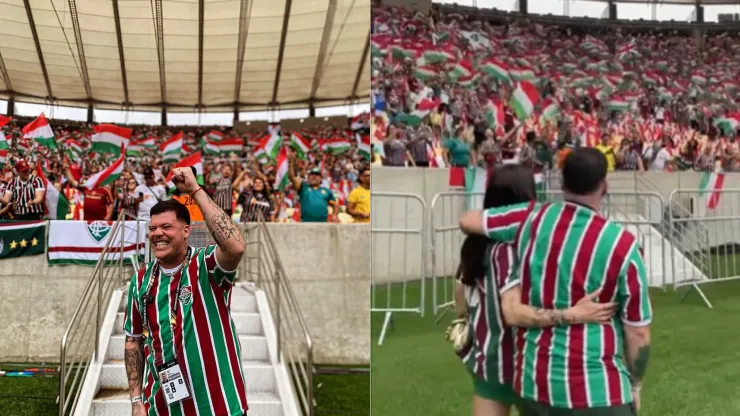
[
  {"x": 222, "y": 195},
  {"x": 567, "y": 251},
  {"x": 490, "y": 356},
  {"x": 204, "y": 339}
]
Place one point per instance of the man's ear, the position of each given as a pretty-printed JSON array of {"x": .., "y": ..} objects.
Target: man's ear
[{"x": 186, "y": 230}]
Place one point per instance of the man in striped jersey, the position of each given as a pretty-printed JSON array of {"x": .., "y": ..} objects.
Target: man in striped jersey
[
  {"x": 26, "y": 194},
  {"x": 566, "y": 250},
  {"x": 182, "y": 353}
]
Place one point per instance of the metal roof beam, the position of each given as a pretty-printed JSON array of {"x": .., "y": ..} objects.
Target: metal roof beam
[
  {"x": 80, "y": 48},
  {"x": 19, "y": 97},
  {"x": 325, "y": 36},
  {"x": 4, "y": 74},
  {"x": 159, "y": 33},
  {"x": 244, "y": 14},
  {"x": 365, "y": 51},
  {"x": 121, "y": 58},
  {"x": 201, "y": 12},
  {"x": 36, "y": 42},
  {"x": 281, "y": 51}
]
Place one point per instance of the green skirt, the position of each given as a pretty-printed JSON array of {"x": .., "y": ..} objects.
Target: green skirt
[{"x": 493, "y": 390}]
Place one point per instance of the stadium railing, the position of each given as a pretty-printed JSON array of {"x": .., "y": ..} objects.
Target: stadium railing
[
  {"x": 262, "y": 264},
  {"x": 80, "y": 343}
]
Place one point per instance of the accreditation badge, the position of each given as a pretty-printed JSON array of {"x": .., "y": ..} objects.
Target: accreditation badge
[{"x": 174, "y": 386}]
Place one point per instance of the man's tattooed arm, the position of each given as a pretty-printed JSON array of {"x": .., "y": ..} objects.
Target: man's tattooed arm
[
  {"x": 134, "y": 358},
  {"x": 637, "y": 347},
  {"x": 226, "y": 233}
]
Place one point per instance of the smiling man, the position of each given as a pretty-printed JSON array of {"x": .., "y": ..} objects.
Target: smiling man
[{"x": 182, "y": 352}]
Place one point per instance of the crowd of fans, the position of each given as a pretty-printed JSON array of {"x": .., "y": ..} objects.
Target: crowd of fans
[
  {"x": 442, "y": 84},
  {"x": 327, "y": 184}
]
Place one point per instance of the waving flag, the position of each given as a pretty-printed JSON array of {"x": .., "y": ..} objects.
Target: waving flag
[
  {"x": 109, "y": 138},
  {"x": 712, "y": 184},
  {"x": 172, "y": 148},
  {"x": 3, "y": 142},
  {"x": 195, "y": 160},
  {"x": 301, "y": 145},
  {"x": 40, "y": 131},
  {"x": 57, "y": 206},
  {"x": 363, "y": 145},
  {"x": 227, "y": 146},
  {"x": 523, "y": 100},
  {"x": 281, "y": 176},
  {"x": 215, "y": 136},
  {"x": 108, "y": 175}
]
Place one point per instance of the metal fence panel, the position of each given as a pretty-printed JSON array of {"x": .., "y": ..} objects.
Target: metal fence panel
[
  {"x": 398, "y": 255},
  {"x": 446, "y": 240},
  {"x": 707, "y": 228}
]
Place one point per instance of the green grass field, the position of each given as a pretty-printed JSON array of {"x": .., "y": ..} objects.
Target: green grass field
[
  {"x": 336, "y": 395},
  {"x": 40, "y": 395},
  {"x": 694, "y": 369}
]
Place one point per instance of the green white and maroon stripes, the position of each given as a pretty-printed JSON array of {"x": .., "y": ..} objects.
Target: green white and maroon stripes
[
  {"x": 204, "y": 336},
  {"x": 490, "y": 354},
  {"x": 566, "y": 251}
]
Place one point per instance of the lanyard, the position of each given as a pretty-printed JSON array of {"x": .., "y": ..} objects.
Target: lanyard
[{"x": 146, "y": 298}]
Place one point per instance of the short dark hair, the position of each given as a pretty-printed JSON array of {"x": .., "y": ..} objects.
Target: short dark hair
[
  {"x": 363, "y": 169},
  {"x": 584, "y": 169},
  {"x": 172, "y": 205}
]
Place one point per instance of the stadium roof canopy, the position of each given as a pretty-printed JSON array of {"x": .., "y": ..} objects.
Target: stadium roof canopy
[{"x": 185, "y": 54}]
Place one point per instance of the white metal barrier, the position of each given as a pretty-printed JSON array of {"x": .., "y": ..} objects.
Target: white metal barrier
[
  {"x": 706, "y": 225},
  {"x": 398, "y": 255},
  {"x": 446, "y": 240}
]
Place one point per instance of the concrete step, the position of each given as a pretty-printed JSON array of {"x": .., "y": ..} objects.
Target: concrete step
[
  {"x": 241, "y": 301},
  {"x": 117, "y": 403},
  {"x": 254, "y": 347},
  {"x": 246, "y": 323},
  {"x": 258, "y": 375}
]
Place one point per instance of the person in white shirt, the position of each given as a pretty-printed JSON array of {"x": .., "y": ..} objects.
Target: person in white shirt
[
  {"x": 657, "y": 156},
  {"x": 151, "y": 192}
]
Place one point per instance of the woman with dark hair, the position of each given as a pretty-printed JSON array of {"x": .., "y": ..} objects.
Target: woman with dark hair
[
  {"x": 484, "y": 339},
  {"x": 256, "y": 201}
]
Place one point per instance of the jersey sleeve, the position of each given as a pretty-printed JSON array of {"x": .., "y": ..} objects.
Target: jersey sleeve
[
  {"x": 502, "y": 223},
  {"x": 632, "y": 291},
  {"x": 503, "y": 260},
  {"x": 330, "y": 195},
  {"x": 132, "y": 316},
  {"x": 38, "y": 184},
  {"x": 215, "y": 271}
]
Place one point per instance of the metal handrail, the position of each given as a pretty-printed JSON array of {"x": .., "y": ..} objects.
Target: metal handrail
[
  {"x": 272, "y": 278},
  {"x": 97, "y": 292}
]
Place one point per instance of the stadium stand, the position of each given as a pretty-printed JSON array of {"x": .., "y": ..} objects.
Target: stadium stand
[
  {"x": 657, "y": 96},
  {"x": 330, "y": 148}
]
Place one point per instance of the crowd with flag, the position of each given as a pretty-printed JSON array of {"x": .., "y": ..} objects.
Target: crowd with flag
[
  {"x": 68, "y": 170},
  {"x": 453, "y": 89}
]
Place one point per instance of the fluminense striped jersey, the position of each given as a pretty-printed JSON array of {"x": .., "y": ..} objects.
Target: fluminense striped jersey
[
  {"x": 491, "y": 354},
  {"x": 566, "y": 251},
  {"x": 24, "y": 193},
  {"x": 205, "y": 337}
]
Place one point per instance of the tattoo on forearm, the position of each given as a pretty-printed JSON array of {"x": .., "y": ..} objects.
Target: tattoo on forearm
[
  {"x": 221, "y": 226},
  {"x": 134, "y": 359},
  {"x": 638, "y": 366},
  {"x": 549, "y": 317}
]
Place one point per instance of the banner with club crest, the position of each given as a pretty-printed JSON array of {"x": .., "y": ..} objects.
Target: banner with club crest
[{"x": 82, "y": 242}]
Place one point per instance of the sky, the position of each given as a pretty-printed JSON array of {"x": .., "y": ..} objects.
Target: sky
[
  {"x": 557, "y": 7},
  {"x": 581, "y": 8}
]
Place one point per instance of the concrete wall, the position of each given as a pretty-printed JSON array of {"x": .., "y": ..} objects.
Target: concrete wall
[{"x": 328, "y": 266}]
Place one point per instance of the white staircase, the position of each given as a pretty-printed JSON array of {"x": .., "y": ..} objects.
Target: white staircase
[
  {"x": 659, "y": 253},
  {"x": 269, "y": 392}
]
